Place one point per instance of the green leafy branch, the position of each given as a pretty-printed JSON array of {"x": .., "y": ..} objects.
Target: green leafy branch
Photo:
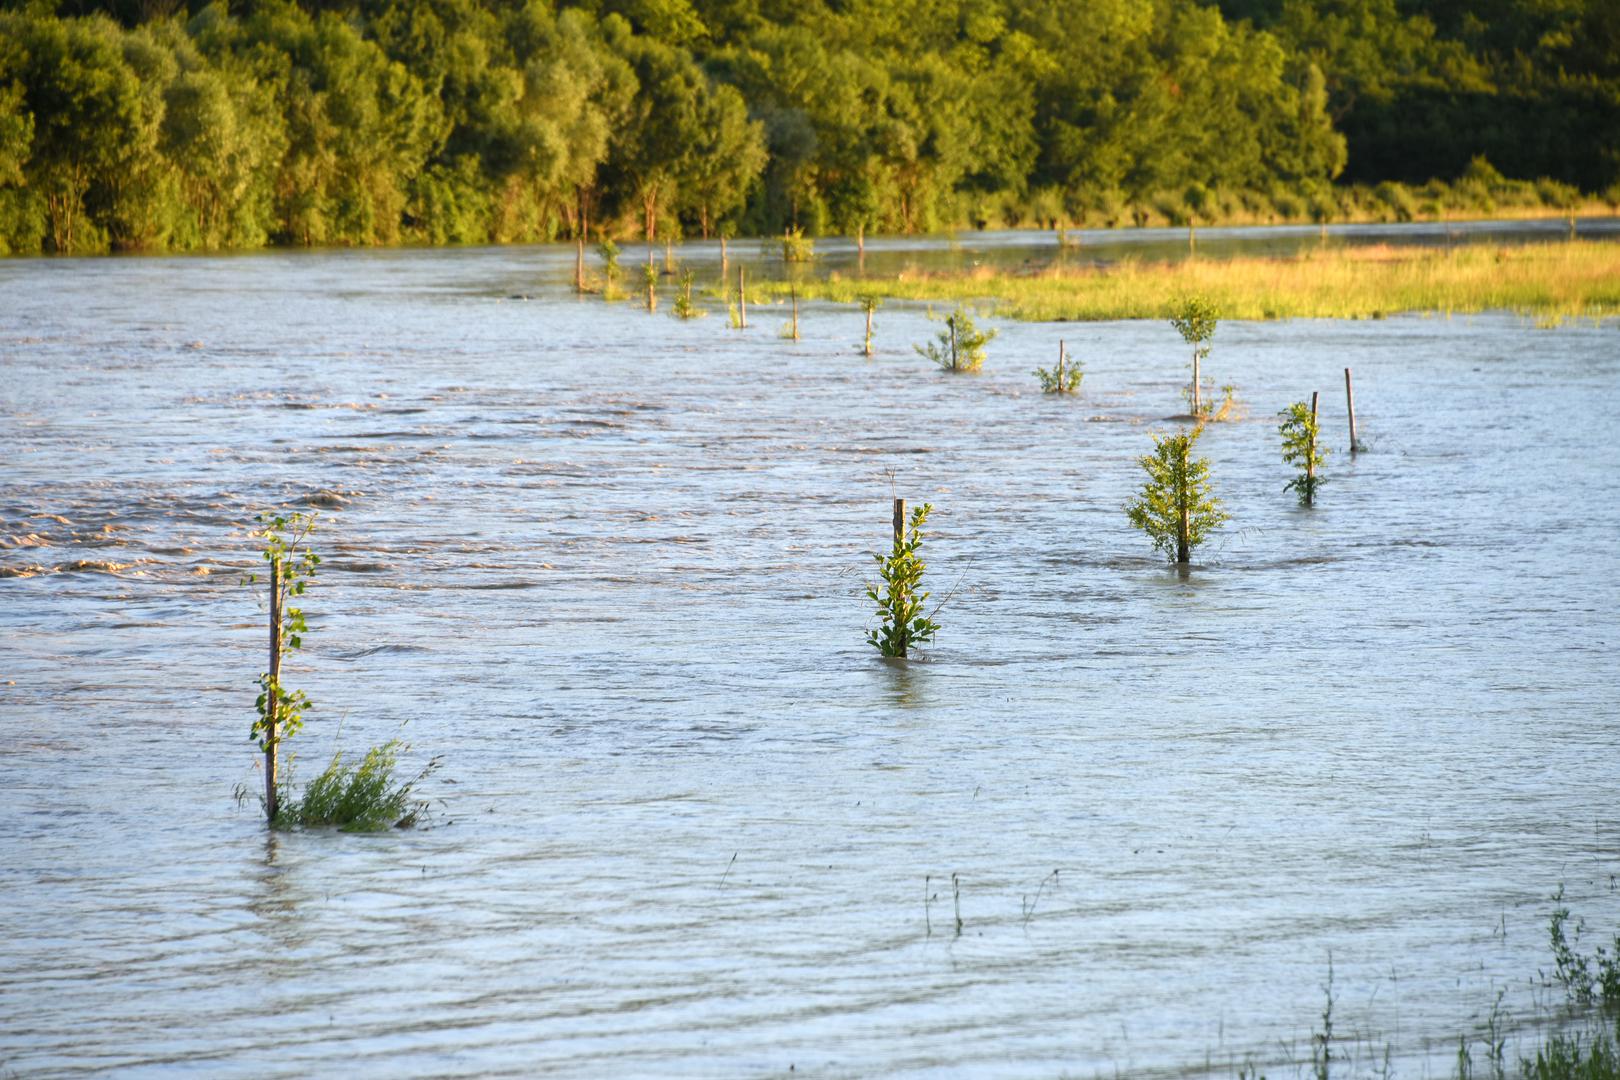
[
  {"x": 900, "y": 603},
  {"x": 1300, "y": 449},
  {"x": 292, "y": 567}
]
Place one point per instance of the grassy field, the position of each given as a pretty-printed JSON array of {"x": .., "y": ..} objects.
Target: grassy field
[{"x": 1549, "y": 282}]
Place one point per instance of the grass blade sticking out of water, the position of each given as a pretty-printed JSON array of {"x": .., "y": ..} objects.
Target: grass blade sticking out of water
[{"x": 360, "y": 798}]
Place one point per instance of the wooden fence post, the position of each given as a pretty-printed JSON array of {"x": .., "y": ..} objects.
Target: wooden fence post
[{"x": 1350, "y": 403}]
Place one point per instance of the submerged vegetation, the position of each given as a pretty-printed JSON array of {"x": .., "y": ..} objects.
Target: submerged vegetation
[
  {"x": 1573, "y": 279},
  {"x": 357, "y": 798},
  {"x": 1176, "y": 507},
  {"x": 362, "y": 797},
  {"x": 1301, "y": 450},
  {"x": 899, "y": 595},
  {"x": 1064, "y": 378},
  {"x": 960, "y": 346}
]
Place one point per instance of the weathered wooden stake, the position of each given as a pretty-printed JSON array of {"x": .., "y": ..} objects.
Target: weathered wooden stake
[
  {"x": 724, "y": 263},
  {"x": 1198, "y": 401},
  {"x": 1060, "y": 367},
  {"x": 1350, "y": 403},
  {"x": 793, "y": 291},
  {"x": 869, "y": 330},
  {"x": 899, "y": 519},
  {"x": 951, "y": 322},
  {"x": 742, "y": 298},
  {"x": 1310, "y": 453},
  {"x": 579, "y": 263},
  {"x": 271, "y": 693}
]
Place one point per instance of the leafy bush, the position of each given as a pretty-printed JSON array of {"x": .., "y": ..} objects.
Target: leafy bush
[
  {"x": 960, "y": 346},
  {"x": 796, "y": 247},
  {"x": 1176, "y": 507},
  {"x": 684, "y": 307},
  {"x": 900, "y": 603},
  {"x": 1299, "y": 431},
  {"x": 1065, "y": 378}
]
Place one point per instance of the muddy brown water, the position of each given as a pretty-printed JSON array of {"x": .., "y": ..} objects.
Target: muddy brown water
[{"x": 610, "y": 567}]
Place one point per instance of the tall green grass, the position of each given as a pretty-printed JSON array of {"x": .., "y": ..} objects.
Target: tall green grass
[{"x": 363, "y": 797}]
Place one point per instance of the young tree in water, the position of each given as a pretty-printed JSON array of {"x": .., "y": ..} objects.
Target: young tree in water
[
  {"x": 1195, "y": 321},
  {"x": 281, "y": 711},
  {"x": 1298, "y": 431},
  {"x": 1176, "y": 508}
]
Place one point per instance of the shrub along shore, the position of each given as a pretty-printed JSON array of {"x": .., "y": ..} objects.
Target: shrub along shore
[{"x": 1573, "y": 279}]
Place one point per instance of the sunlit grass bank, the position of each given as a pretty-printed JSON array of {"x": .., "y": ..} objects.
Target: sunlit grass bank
[{"x": 1546, "y": 281}]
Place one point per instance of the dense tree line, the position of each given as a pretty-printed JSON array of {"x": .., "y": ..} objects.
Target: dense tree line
[{"x": 145, "y": 125}]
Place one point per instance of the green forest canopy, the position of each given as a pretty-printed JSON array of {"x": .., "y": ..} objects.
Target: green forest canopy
[{"x": 146, "y": 125}]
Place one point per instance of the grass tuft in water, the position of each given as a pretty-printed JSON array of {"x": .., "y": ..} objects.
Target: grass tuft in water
[{"x": 359, "y": 798}]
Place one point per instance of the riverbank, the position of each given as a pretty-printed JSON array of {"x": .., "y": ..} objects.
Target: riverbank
[{"x": 1574, "y": 279}]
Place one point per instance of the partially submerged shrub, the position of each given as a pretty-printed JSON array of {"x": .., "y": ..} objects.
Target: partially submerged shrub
[
  {"x": 869, "y": 302},
  {"x": 1299, "y": 431},
  {"x": 684, "y": 307},
  {"x": 1176, "y": 507},
  {"x": 900, "y": 603},
  {"x": 960, "y": 346},
  {"x": 649, "y": 278},
  {"x": 1065, "y": 378},
  {"x": 1587, "y": 979},
  {"x": 797, "y": 247},
  {"x": 360, "y": 798}
]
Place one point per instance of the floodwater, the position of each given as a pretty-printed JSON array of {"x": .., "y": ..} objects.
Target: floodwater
[{"x": 610, "y": 567}]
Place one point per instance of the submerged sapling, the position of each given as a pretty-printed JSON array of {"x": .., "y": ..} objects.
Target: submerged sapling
[
  {"x": 1195, "y": 320},
  {"x": 281, "y": 711},
  {"x": 1176, "y": 508},
  {"x": 684, "y": 307},
  {"x": 960, "y": 346},
  {"x": 1298, "y": 430},
  {"x": 1065, "y": 378},
  {"x": 900, "y": 601}
]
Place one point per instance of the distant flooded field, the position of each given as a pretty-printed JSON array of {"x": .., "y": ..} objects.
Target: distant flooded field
[{"x": 611, "y": 566}]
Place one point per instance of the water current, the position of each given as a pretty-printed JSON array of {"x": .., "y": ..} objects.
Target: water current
[{"x": 610, "y": 567}]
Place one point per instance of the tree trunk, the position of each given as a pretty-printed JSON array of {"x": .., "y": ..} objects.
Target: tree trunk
[{"x": 1310, "y": 455}]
